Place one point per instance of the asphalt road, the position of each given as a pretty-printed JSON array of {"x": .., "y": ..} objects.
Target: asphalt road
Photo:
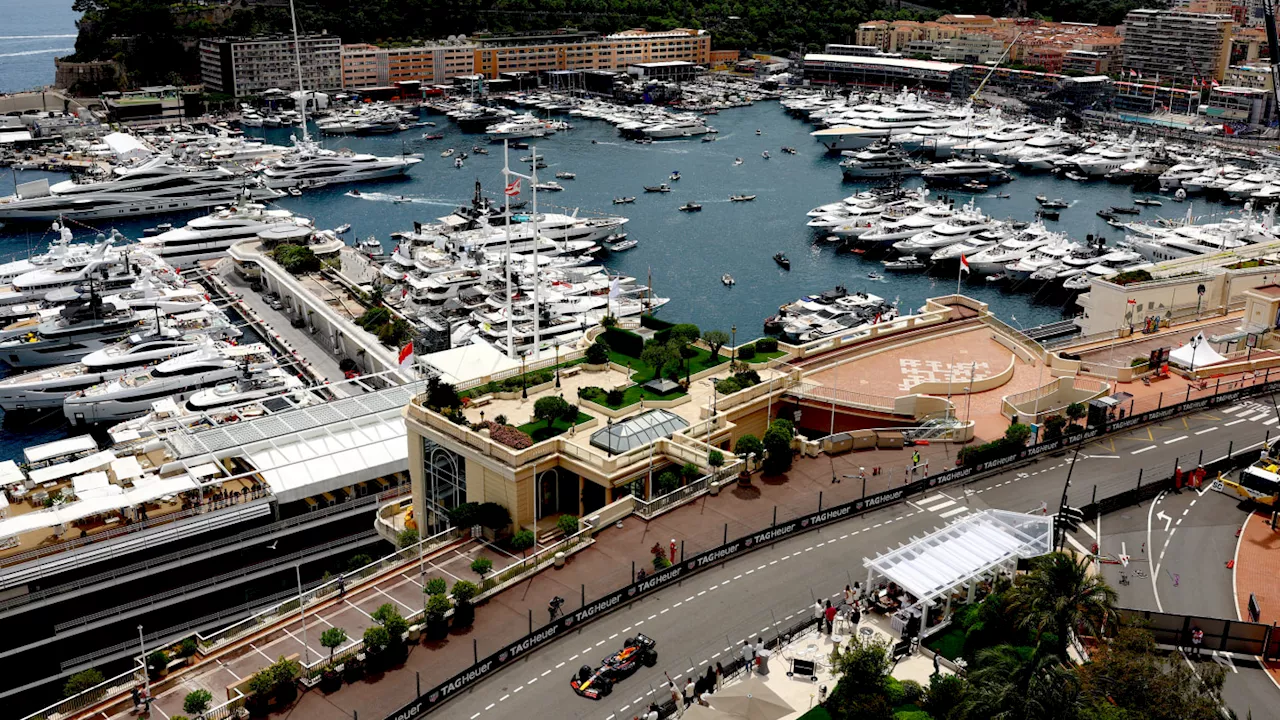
[{"x": 706, "y": 618}]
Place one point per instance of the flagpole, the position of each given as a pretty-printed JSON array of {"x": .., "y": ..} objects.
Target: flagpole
[
  {"x": 506, "y": 180},
  {"x": 537, "y": 281},
  {"x": 959, "y": 274}
]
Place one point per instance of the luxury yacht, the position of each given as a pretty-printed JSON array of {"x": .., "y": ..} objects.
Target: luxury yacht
[
  {"x": 80, "y": 328},
  {"x": 179, "y": 378},
  {"x": 156, "y": 186},
  {"x": 311, "y": 166},
  {"x": 956, "y": 172},
  {"x": 212, "y": 235},
  {"x": 889, "y": 230},
  {"x": 881, "y": 159},
  {"x": 994, "y": 258},
  {"x": 961, "y": 225},
  {"x": 1172, "y": 178}
]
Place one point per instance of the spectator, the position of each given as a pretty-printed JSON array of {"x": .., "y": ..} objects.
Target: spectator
[
  {"x": 690, "y": 691},
  {"x": 719, "y": 677},
  {"x": 748, "y": 655},
  {"x": 829, "y": 615}
]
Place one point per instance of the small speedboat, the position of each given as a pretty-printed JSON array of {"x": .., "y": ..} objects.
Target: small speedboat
[
  {"x": 690, "y": 207},
  {"x": 904, "y": 264},
  {"x": 295, "y": 192},
  {"x": 1056, "y": 204},
  {"x": 675, "y": 175},
  {"x": 782, "y": 261},
  {"x": 352, "y": 193},
  {"x": 370, "y": 245},
  {"x": 463, "y": 155},
  {"x": 1078, "y": 177},
  {"x": 549, "y": 186},
  {"x": 519, "y": 145},
  {"x": 343, "y": 228},
  {"x": 758, "y": 132},
  {"x": 1003, "y": 196},
  {"x": 708, "y": 138},
  {"x": 742, "y": 198},
  {"x": 1106, "y": 215},
  {"x": 727, "y": 279},
  {"x": 616, "y": 238},
  {"x": 432, "y": 136},
  {"x": 477, "y": 150},
  {"x": 873, "y": 275},
  {"x": 974, "y": 186},
  {"x": 428, "y": 123},
  {"x": 1047, "y": 214},
  {"x": 663, "y": 188},
  {"x": 997, "y": 278},
  {"x": 623, "y": 200},
  {"x": 566, "y": 175},
  {"x": 457, "y": 163},
  {"x": 624, "y": 245},
  {"x": 447, "y": 153},
  {"x": 765, "y": 155},
  {"x": 1152, "y": 202},
  {"x": 788, "y": 150},
  {"x": 1125, "y": 210},
  {"x": 1041, "y": 199},
  {"x": 737, "y": 161},
  {"x": 1180, "y": 195}
]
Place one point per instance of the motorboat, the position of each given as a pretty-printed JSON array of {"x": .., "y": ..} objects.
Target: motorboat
[
  {"x": 690, "y": 207},
  {"x": 622, "y": 245},
  {"x": 311, "y": 166},
  {"x": 447, "y": 153},
  {"x": 765, "y": 155},
  {"x": 342, "y": 229},
  {"x": 156, "y": 186},
  {"x": 1048, "y": 214},
  {"x": 250, "y": 386},
  {"x": 82, "y": 326},
  {"x": 663, "y": 188},
  {"x": 727, "y": 279},
  {"x": 566, "y": 175},
  {"x": 782, "y": 261},
  {"x": 958, "y": 172},
  {"x": 1125, "y": 210},
  {"x": 1151, "y": 202},
  {"x": 968, "y": 222},
  {"x": 905, "y": 263},
  {"x": 1073, "y": 175},
  {"x": 623, "y": 200},
  {"x": 1054, "y": 204},
  {"x": 742, "y": 198},
  {"x": 550, "y": 186},
  {"x": 181, "y": 377}
]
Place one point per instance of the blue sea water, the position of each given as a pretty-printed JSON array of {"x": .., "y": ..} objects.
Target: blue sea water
[
  {"x": 31, "y": 36},
  {"x": 685, "y": 254}
]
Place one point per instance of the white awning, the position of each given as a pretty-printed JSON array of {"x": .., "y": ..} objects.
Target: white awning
[
  {"x": 10, "y": 473},
  {"x": 934, "y": 565},
  {"x": 58, "y": 448},
  {"x": 86, "y": 485},
  {"x": 1196, "y": 353},
  {"x": 205, "y": 470},
  {"x": 469, "y": 362},
  {"x": 96, "y": 461},
  {"x": 147, "y": 488},
  {"x": 126, "y": 468}
]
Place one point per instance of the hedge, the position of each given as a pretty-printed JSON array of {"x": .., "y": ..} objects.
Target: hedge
[{"x": 624, "y": 341}]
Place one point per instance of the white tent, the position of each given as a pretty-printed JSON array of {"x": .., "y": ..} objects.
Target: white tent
[
  {"x": 469, "y": 362},
  {"x": 1196, "y": 353},
  {"x": 126, "y": 147}
]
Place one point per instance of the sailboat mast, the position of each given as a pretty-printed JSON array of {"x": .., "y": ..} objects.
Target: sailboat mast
[{"x": 297, "y": 61}]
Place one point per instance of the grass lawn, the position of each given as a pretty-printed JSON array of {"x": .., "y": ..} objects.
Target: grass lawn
[
  {"x": 633, "y": 395},
  {"x": 817, "y": 713},
  {"x": 766, "y": 357},
  {"x": 642, "y": 373},
  {"x": 949, "y": 643},
  {"x": 511, "y": 384},
  {"x": 539, "y": 431}
]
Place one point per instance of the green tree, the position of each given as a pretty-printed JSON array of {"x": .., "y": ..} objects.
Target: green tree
[
  {"x": 862, "y": 667},
  {"x": 945, "y": 694},
  {"x": 728, "y": 386},
  {"x": 748, "y": 444},
  {"x": 197, "y": 701},
  {"x": 157, "y": 662},
  {"x": 376, "y": 638},
  {"x": 550, "y": 408},
  {"x": 494, "y": 516},
  {"x": 463, "y": 591},
  {"x": 437, "y": 605},
  {"x": 1060, "y": 594},
  {"x": 481, "y": 566},
  {"x": 522, "y": 541},
  {"x": 1017, "y": 434},
  {"x": 82, "y": 681},
  {"x": 1075, "y": 411},
  {"x": 333, "y": 638},
  {"x": 715, "y": 459},
  {"x": 407, "y": 538},
  {"x": 598, "y": 352},
  {"x": 777, "y": 441},
  {"x": 568, "y": 524},
  {"x": 296, "y": 259},
  {"x": 1129, "y": 674},
  {"x": 1053, "y": 427},
  {"x": 715, "y": 339},
  {"x": 657, "y": 356},
  {"x": 685, "y": 333},
  {"x": 667, "y": 481},
  {"x": 436, "y": 586},
  {"x": 1009, "y": 682}
]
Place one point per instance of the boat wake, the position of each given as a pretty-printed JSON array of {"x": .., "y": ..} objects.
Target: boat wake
[{"x": 406, "y": 199}]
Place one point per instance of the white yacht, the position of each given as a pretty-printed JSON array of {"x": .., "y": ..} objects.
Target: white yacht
[
  {"x": 250, "y": 386},
  {"x": 1051, "y": 142},
  {"x": 178, "y": 335},
  {"x": 968, "y": 222},
  {"x": 156, "y": 186},
  {"x": 959, "y": 172},
  {"x": 1107, "y": 160},
  {"x": 1052, "y": 253},
  {"x": 1172, "y": 178},
  {"x": 311, "y": 166},
  {"x": 522, "y": 126},
  {"x": 680, "y": 126},
  {"x": 879, "y": 160},
  {"x": 892, "y": 229},
  {"x": 179, "y": 378},
  {"x": 212, "y": 235},
  {"x": 881, "y": 126},
  {"x": 1106, "y": 265},
  {"x": 80, "y": 328},
  {"x": 994, "y": 258}
]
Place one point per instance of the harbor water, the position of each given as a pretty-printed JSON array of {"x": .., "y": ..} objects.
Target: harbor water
[{"x": 685, "y": 253}]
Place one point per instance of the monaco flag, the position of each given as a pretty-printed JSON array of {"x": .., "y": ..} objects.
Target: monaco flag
[
  {"x": 513, "y": 188},
  {"x": 406, "y": 356},
  {"x": 964, "y": 264}
]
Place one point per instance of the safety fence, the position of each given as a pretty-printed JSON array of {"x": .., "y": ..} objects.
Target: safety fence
[
  {"x": 1220, "y": 634},
  {"x": 730, "y": 549}
]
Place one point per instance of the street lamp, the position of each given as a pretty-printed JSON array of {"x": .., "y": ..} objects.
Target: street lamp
[
  {"x": 733, "y": 345},
  {"x": 524, "y": 381},
  {"x": 557, "y": 343},
  {"x": 1195, "y": 343}
]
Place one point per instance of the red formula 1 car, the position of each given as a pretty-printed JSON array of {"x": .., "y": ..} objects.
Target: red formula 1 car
[{"x": 597, "y": 683}]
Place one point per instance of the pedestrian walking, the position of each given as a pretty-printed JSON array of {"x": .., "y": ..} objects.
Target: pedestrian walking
[
  {"x": 1197, "y": 639},
  {"x": 748, "y": 655},
  {"x": 342, "y": 587},
  {"x": 830, "y": 615},
  {"x": 719, "y": 676},
  {"x": 673, "y": 551}
]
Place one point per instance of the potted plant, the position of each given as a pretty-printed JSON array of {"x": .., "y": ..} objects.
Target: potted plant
[
  {"x": 197, "y": 701},
  {"x": 522, "y": 541},
  {"x": 464, "y": 613},
  {"x": 352, "y": 669},
  {"x": 397, "y": 628},
  {"x": 437, "y": 626},
  {"x": 157, "y": 664},
  {"x": 261, "y": 687},
  {"x": 331, "y": 678}
]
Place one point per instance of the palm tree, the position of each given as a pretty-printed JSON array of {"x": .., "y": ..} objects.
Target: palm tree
[
  {"x": 1009, "y": 683},
  {"x": 1060, "y": 595}
]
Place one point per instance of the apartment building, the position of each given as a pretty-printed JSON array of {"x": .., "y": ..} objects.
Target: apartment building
[
  {"x": 1086, "y": 62},
  {"x": 243, "y": 66},
  {"x": 372, "y": 66},
  {"x": 1249, "y": 76},
  {"x": 1176, "y": 45}
]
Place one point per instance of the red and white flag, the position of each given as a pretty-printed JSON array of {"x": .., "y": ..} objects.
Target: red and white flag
[
  {"x": 513, "y": 188},
  {"x": 964, "y": 264},
  {"x": 1213, "y": 83},
  {"x": 1131, "y": 301},
  {"x": 1133, "y": 73},
  {"x": 406, "y": 356}
]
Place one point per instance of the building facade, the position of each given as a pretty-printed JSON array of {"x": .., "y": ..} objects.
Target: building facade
[
  {"x": 250, "y": 66},
  {"x": 372, "y": 66},
  {"x": 886, "y": 72},
  {"x": 1086, "y": 62},
  {"x": 1179, "y": 46}
]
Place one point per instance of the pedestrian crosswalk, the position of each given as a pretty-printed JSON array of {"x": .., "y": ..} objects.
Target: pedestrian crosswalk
[{"x": 945, "y": 506}]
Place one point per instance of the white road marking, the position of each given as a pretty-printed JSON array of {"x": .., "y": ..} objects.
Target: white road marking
[
  {"x": 939, "y": 506},
  {"x": 1234, "y": 422},
  {"x": 1142, "y": 450},
  {"x": 955, "y": 511},
  {"x": 1207, "y": 430},
  {"x": 1171, "y": 441},
  {"x": 1167, "y": 520}
]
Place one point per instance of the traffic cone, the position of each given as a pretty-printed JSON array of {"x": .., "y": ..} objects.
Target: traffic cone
[{"x": 1231, "y": 564}]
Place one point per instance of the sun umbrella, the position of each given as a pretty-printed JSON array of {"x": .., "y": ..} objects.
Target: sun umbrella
[
  {"x": 698, "y": 712},
  {"x": 751, "y": 699}
]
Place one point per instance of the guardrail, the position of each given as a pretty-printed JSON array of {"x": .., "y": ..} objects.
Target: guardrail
[
  {"x": 843, "y": 397},
  {"x": 81, "y": 700},
  {"x": 649, "y": 509}
]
